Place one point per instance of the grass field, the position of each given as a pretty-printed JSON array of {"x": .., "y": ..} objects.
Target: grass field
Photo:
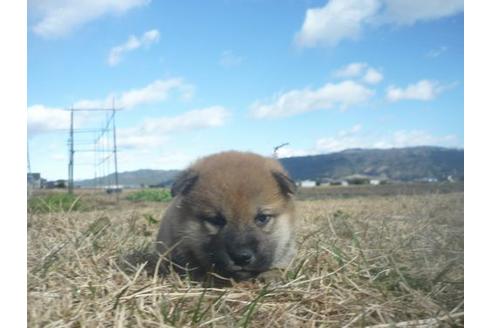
[{"x": 365, "y": 259}]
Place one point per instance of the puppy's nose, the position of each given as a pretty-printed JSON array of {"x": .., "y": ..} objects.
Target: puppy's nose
[{"x": 242, "y": 256}]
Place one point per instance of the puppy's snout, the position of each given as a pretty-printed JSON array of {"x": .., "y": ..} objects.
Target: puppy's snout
[{"x": 242, "y": 256}]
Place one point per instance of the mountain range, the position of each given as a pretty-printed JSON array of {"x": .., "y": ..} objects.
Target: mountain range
[{"x": 400, "y": 164}]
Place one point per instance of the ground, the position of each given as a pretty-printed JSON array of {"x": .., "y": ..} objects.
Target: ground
[{"x": 367, "y": 257}]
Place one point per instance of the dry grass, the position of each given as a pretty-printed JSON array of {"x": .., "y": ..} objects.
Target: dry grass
[{"x": 393, "y": 261}]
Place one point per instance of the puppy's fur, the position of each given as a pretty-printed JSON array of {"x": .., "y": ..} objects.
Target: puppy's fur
[{"x": 232, "y": 214}]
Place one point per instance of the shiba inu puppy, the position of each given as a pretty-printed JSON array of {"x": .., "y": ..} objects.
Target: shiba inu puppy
[{"x": 232, "y": 214}]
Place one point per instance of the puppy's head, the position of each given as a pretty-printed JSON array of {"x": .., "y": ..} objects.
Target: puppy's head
[{"x": 237, "y": 213}]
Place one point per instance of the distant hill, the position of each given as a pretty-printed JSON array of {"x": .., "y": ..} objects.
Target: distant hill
[
  {"x": 135, "y": 178},
  {"x": 403, "y": 164}
]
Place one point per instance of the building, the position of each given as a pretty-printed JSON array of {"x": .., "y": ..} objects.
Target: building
[
  {"x": 55, "y": 184},
  {"x": 307, "y": 183},
  {"x": 357, "y": 179},
  {"x": 34, "y": 180},
  {"x": 332, "y": 182},
  {"x": 428, "y": 179}
]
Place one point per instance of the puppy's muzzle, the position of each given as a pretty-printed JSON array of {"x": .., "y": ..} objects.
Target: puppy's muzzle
[{"x": 242, "y": 256}]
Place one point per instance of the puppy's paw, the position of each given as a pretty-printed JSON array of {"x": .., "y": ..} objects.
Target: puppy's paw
[{"x": 272, "y": 276}]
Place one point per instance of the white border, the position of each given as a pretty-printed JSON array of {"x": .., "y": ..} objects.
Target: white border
[
  {"x": 478, "y": 164},
  {"x": 13, "y": 68}
]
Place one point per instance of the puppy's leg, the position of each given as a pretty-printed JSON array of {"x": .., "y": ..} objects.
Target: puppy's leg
[{"x": 274, "y": 275}]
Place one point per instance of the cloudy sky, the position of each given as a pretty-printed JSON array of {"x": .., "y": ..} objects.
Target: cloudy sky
[{"x": 196, "y": 77}]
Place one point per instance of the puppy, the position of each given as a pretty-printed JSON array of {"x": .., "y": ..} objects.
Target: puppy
[{"x": 232, "y": 214}]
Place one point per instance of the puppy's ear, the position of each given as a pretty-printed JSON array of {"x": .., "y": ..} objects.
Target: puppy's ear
[
  {"x": 184, "y": 182},
  {"x": 286, "y": 184}
]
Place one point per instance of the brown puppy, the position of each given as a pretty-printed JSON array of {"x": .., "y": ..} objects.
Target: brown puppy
[{"x": 232, "y": 214}]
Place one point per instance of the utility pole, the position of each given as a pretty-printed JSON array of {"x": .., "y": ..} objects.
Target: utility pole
[
  {"x": 275, "y": 149},
  {"x": 115, "y": 152},
  {"x": 70, "y": 162},
  {"x": 29, "y": 176},
  {"x": 28, "y": 159}
]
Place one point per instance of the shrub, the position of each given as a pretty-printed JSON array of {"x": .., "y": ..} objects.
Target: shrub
[
  {"x": 55, "y": 202},
  {"x": 150, "y": 195}
]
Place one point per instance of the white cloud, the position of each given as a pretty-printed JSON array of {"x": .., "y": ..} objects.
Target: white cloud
[
  {"x": 398, "y": 139},
  {"x": 59, "y": 157},
  {"x": 42, "y": 119},
  {"x": 154, "y": 132},
  {"x": 353, "y": 130},
  {"x": 128, "y": 141},
  {"x": 408, "y": 138},
  {"x": 290, "y": 152},
  {"x": 195, "y": 119},
  {"x": 147, "y": 39},
  {"x": 422, "y": 90},
  {"x": 58, "y": 18},
  {"x": 228, "y": 59},
  {"x": 356, "y": 138},
  {"x": 345, "y": 19},
  {"x": 343, "y": 140},
  {"x": 337, "y": 20},
  {"x": 156, "y": 91},
  {"x": 341, "y": 95},
  {"x": 407, "y": 12},
  {"x": 350, "y": 71},
  {"x": 150, "y": 37},
  {"x": 155, "y": 159},
  {"x": 434, "y": 53},
  {"x": 330, "y": 144},
  {"x": 372, "y": 76},
  {"x": 363, "y": 71}
]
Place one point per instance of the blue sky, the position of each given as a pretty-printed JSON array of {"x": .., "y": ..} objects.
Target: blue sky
[{"x": 197, "y": 77}]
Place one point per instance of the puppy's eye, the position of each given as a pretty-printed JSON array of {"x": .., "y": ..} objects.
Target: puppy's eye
[
  {"x": 217, "y": 221},
  {"x": 263, "y": 219}
]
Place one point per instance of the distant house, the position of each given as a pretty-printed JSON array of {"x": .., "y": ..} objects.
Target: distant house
[
  {"x": 379, "y": 180},
  {"x": 111, "y": 189},
  {"x": 429, "y": 179},
  {"x": 49, "y": 185},
  {"x": 34, "y": 180},
  {"x": 324, "y": 182},
  {"x": 307, "y": 183},
  {"x": 55, "y": 184},
  {"x": 357, "y": 179},
  {"x": 333, "y": 182}
]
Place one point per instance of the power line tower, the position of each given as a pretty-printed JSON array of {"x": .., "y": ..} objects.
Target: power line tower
[{"x": 103, "y": 151}]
